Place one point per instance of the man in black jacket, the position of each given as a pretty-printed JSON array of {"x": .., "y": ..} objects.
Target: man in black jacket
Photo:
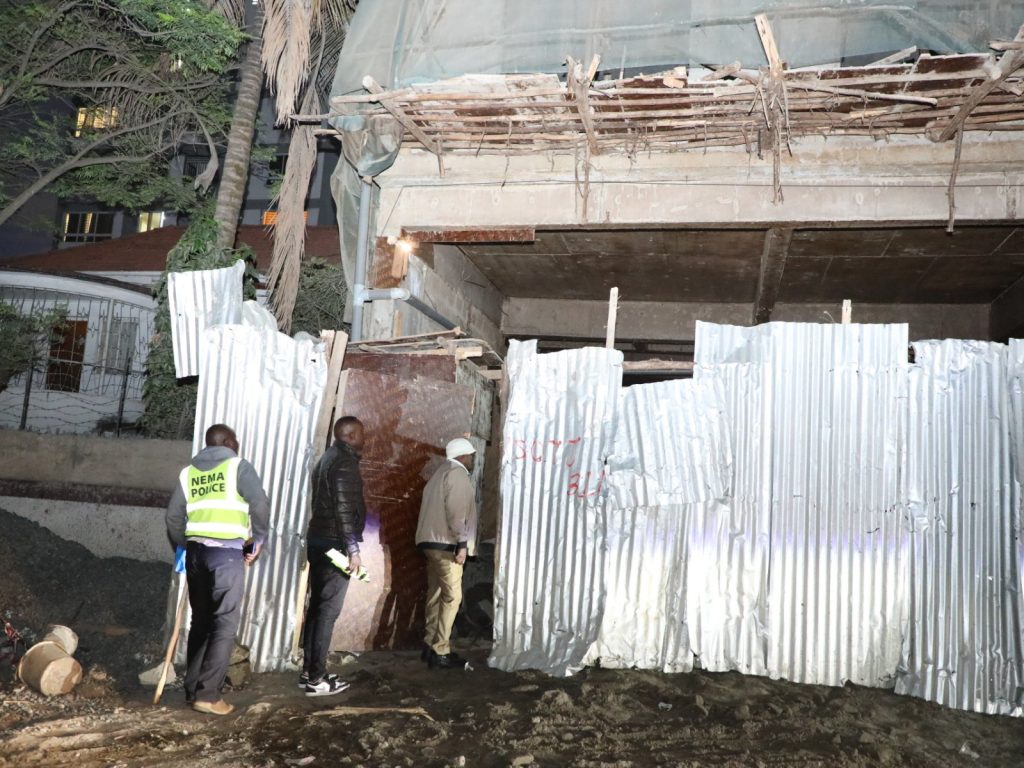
[{"x": 339, "y": 515}]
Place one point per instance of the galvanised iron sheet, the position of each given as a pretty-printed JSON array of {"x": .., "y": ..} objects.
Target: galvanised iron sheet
[
  {"x": 963, "y": 642},
  {"x": 268, "y": 388},
  {"x": 728, "y": 549},
  {"x": 832, "y": 431},
  {"x": 199, "y": 300},
  {"x": 672, "y": 446},
  {"x": 672, "y": 452},
  {"x": 549, "y": 588}
]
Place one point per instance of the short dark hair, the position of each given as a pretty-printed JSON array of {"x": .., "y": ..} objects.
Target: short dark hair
[
  {"x": 219, "y": 434},
  {"x": 344, "y": 421}
]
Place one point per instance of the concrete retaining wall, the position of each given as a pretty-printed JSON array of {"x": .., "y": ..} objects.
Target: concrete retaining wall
[{"x": 106, "y": 494}]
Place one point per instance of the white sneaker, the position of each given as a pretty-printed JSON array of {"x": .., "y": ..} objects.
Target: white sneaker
[
  {"x": 304, "y": 680},
  {"x": 326, "y": 687}
]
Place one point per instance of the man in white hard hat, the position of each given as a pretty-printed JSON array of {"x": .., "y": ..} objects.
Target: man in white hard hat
[{"x": 447, "y": 515}]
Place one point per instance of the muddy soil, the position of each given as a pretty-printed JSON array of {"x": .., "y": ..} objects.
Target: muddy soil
[
  {"x": 429, "y": 718},
  {"x": 115, "y": 605},
  {"x": 491, "y": 718}
]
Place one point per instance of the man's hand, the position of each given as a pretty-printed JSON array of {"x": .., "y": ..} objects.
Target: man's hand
[
  {"x": 251, "y": 552},
  {"x": 460, "y": 557},
  {"x": 355, "y": 563}
]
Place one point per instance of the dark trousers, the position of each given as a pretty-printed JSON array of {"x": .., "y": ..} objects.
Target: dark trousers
[
  {"x": 216, "y": 583},
  {"x": 327, "y": 585}
]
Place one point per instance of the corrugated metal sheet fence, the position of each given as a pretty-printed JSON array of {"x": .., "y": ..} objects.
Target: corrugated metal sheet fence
[
  {"x": 671, "y": 458},
  {"x": 268, "y": 387},
  {"x": 963, "y": 640},
  {"x": 758, "y": 518},
  {"x": 830, "y": 442},
  {"x": 199, "y": 300},
  {"x": 549, "y": 586}
]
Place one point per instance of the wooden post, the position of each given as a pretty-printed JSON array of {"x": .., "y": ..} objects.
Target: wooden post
[
  {"x": 847, "y": 311},
  {"x": 336, "y": 343},
  {"x": 613, "y": 311}
]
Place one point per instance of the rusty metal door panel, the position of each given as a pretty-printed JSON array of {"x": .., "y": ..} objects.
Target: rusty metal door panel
[{"x": 408, "y": 422}]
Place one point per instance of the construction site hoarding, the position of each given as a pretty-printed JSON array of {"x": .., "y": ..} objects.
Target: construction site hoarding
[
  {"x": 671, "y": 457},
  {"x": 826, "y": 468},
  {"x": 812, "y": 506},
  {"x": 199, "y": 300},
  {"x": 268, "y": 387},
  {"x": 962, "y": 645},
  {"x": 549, "y": 588}
]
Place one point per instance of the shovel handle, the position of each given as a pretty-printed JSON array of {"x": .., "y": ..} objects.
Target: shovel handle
[{"x": 178, "y": 618}]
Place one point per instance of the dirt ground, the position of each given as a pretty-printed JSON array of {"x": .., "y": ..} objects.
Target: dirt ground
[{"x": 429, "y": 718}]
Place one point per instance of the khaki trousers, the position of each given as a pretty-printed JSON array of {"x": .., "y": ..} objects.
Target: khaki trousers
[{"x": 444, "y": 596}]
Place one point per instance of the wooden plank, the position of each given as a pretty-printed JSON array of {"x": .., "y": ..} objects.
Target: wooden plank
[
  {"x": 771, "y": 50},
  {"x": 464, "y": 353},
  {"x": 337, "y": 342},
  {"x": 895, "y": 58},
  {"x": 391, "y": 106},
  {"x": 867, "y": 95},
  {"x": 613, "y": 312},
  {"x": 579, "y": 84},
  {"x": 458, "y": 235},
  {"x": 773, "y": 264},
  {"x": 657, "y": 366}
]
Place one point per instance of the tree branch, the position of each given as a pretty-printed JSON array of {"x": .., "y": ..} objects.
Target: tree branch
[
  {"x": 79, "y": 160},
  {"x": 125, "y": 84}
]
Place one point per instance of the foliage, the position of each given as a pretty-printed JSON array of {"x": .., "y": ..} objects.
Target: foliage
[
  {"x": 170, "y": 403},
  {"x": 24, "y": 339},
  {"x": 320, "y": 303},
  {"x": 115, "y": 85}
]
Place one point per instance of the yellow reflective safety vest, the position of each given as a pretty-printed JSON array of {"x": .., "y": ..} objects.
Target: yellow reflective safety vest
[{"x": 213, "y": 505}]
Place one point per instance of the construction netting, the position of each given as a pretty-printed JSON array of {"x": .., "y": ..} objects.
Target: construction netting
[{"x": 399, "y": 43}]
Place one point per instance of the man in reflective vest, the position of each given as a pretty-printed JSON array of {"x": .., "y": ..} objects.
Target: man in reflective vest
[{"x": 220, "y": 513}]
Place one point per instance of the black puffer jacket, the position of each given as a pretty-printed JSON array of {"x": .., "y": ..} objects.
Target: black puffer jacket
[{"x": 339, "y": 512}]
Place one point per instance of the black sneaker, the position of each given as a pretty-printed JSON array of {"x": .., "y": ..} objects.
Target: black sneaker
[
  {"x": 326, "y": 687},
  {"x": 447, "y": 661},
  {"x": 304, "y": 679},
  {"x": 427, "y": 653}
]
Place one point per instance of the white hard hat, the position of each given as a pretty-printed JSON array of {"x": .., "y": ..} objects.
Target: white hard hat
[{"x": 460, "y": 446}]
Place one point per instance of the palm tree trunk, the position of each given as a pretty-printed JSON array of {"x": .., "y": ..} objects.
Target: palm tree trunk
[{"x": 235, "y": 176}]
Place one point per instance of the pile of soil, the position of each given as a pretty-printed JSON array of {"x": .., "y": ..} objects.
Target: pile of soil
[{"x": 115, "y": 605}]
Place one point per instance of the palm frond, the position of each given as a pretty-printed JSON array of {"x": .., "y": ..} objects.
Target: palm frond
[{"x": 289, "y": 26}]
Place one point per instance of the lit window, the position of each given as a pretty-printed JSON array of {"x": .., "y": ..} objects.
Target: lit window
[
  {"x": 270, "y": 218},
  {"x": 150, "y": 220},
  {"x": 88, "y": 227},
  {"x": 95, "y": 119}
]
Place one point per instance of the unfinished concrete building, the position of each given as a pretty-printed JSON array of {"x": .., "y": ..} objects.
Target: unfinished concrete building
[
  {"x": 710, "y": 164},
  {"x": 717, "y": 166}
]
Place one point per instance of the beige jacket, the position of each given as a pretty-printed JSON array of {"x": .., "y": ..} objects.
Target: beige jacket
[{"x": 448, "y": 513}]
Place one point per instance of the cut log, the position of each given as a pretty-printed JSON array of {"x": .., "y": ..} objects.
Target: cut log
[
  {"x": 64, "y": 637},
  {"x": 48, "y": 669}
]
